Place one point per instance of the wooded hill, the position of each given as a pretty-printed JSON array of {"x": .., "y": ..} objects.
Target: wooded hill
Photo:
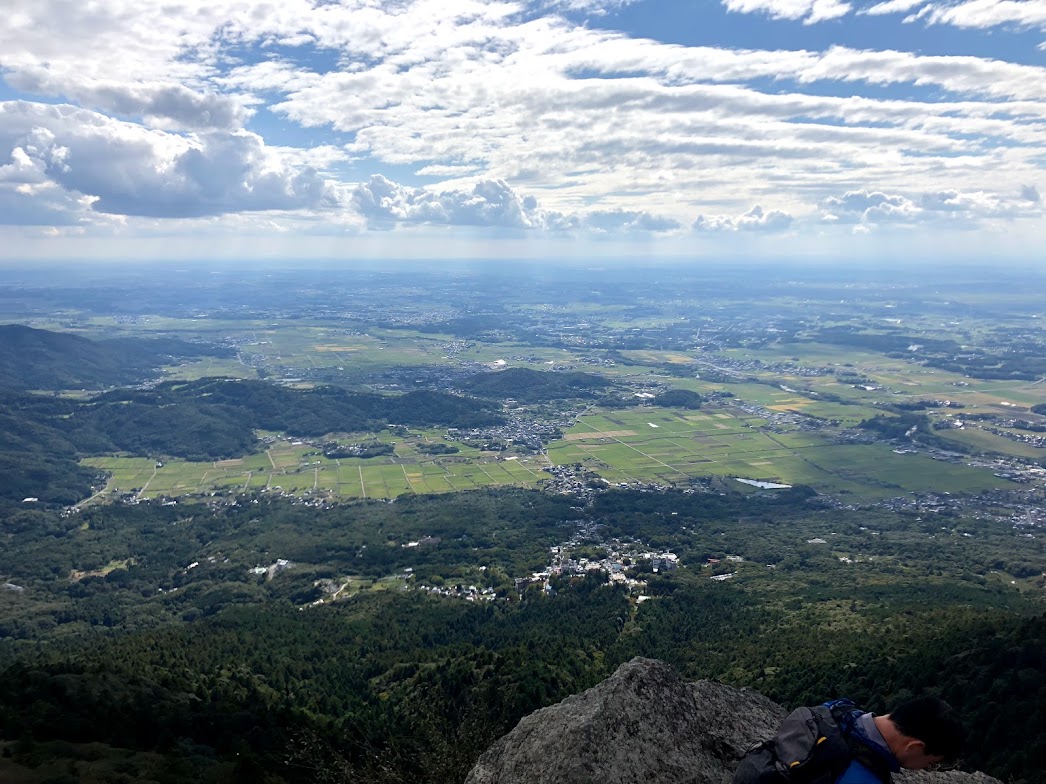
[
  {"x": 211, "y": 419},
  {"x": 40, "y": 359},
  {"x": 534, "y": 386}
]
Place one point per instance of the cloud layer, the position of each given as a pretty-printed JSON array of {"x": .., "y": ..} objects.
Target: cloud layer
[{"x": 514, "y": 116}]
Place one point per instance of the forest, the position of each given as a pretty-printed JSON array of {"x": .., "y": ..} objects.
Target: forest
[
  {"x": 41, "y": 359},
  {"x": 531, "y": 386},
  {"x": 147, "y": 629}
]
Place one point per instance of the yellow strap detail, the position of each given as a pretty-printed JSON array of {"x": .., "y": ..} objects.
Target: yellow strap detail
[
  {"x": 797, "y": 762},
  {"x": 821, "y": 740}
]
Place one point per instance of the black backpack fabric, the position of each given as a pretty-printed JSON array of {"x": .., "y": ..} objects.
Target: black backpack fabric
[{"x": 812, "y": 746}]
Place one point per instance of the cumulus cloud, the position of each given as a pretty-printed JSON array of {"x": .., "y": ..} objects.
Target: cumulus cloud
[
  {"x": 853, "y": 202},
  {"x": 869, "y": 207},
  {"x": 628, "y": 221},
  {"x": 161, "y": 104},
  {"x": 27, "y": 166},
  {"x": 129, "y": 170},
  {"x": 615, "y": 134},
  {"x": 960, "y": 209},
  {"x": 756, "y": 219},
  {"x": 974, "y": 205},
  {"x": 488, "y": 203},
  {"x": 492, "y": 203},
  {"x": 41, "y": 206}
]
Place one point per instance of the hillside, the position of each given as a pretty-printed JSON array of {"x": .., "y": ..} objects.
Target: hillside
[
  {"x": 162, "y": 637},
  {"x": 41, "y": 359}
]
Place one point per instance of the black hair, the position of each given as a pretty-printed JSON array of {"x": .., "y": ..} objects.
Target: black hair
[{"x": 934, "y": 722}]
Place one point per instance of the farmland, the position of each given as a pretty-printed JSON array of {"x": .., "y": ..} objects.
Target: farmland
[
  {"x": 641, "y": 445},
  {"x": 672, "y": 446},
  {"x": 298, "y": 468},
  {"x": 791, "y": 370}
]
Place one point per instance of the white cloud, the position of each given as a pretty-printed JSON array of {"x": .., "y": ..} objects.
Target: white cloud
[
  {"x": 810, "y": 11},
  {"x": 990, "y": 13},
  {"x": 612, "y": 134},
  {"x": 161, "y": 104},
  {"x": 964, "y": 210},
  {"x": 593, "y": 7},
  {"x": 970, "y": 13},
  {"x": 130, "y": 170},
  {"x": 488, "y": 203},
  {"x": 756, "y": 219},
  {"x": 492, "y": 203},
  {"x": 628, "y": 221},
  {"x": 892, "y": 7},
  {"x": 825, "y": 10},
  {"x": 40, "y": 206}
]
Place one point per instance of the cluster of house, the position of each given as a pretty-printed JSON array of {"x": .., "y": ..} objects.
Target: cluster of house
[
  {"x": 776, "y": 420},
  {"x": 521, "y": 432},
  {"x": 280, "y": 565},
  {"x": 470, "y": 593}
]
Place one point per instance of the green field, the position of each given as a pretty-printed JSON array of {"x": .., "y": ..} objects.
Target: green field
[
  {"x": 626, "y": 446},
  {"x": 292, "y": 466},
  {"x": 635, "y": 445},
  {"x": 982, "y": 439},
  {"x": 901, "y": 378}
]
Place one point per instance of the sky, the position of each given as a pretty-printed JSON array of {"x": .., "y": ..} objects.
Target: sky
[{"x": 349, "y": 129}]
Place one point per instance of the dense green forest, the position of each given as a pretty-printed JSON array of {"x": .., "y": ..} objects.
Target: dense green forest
[
  {"x": 679, "y": 398},
  {"x": 148, "y": 628},
  {"x": 42, "y": 437},
  {"x": 39, "y": 359},
  {"x": 534, "y": 386}
]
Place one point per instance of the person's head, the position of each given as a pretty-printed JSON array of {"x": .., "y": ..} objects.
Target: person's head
[{"x": 927, "y": 731}]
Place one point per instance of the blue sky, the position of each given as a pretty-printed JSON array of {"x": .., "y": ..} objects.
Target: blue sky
[{"x": 550, "y": 128}]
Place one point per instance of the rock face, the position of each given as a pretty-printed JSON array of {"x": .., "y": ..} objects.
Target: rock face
[{"x": 644, "y": 724}]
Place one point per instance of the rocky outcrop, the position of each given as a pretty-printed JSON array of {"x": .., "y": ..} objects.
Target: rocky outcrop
[
  {"x": 642, "y": 724},
  {"x": 645, "y": 724}
]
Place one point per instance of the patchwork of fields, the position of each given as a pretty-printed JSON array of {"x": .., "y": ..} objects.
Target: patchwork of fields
[
  {"x": 637, "y": 445},
  {"x": 299, "y": 469},
  {"x": 659, "y": 445}
]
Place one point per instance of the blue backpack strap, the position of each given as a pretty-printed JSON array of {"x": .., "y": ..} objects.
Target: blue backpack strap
[{"x": 846, "y": 714}]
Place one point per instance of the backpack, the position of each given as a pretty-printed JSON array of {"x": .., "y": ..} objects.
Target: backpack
[{"x": 812, "y": 746}]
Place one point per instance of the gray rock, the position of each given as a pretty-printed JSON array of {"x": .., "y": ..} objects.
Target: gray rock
[
  {"x": 943, "y": 777},
  {"x": 644, "y": 724}
]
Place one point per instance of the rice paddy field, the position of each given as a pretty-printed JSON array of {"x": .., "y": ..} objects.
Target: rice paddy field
[
  {"x": 664, "y": 445},
  {"x": 636, "y": 445},
  {"x": 643, "y": 444},
  {"x": 299, "y": 468},
  {"x": 900, "y": 379}
]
